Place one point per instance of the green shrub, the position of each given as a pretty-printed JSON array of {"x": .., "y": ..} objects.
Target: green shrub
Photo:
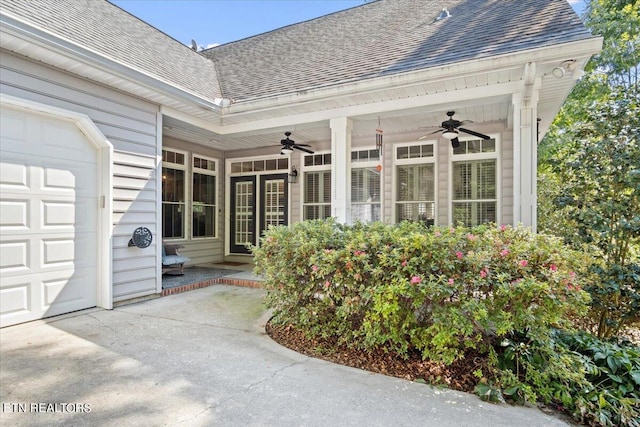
[
  {"x": 440, "y": 291},
  {"x": 503, "y": 293},
  {"x": 597, "y": 381}
]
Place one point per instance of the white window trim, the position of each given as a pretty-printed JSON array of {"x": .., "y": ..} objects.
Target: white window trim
[
  {"x": 227, "y": 191},
  {"x": 214, "y": 173},
  {"x": 187, "y": 193},
  {"x": 302, "y": 170},
  {"x": 365, "y": 165},
  {"x": 497, "y": 155},
  {"x": 416, "y": 161}
]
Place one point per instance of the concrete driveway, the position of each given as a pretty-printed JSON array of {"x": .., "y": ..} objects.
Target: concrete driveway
[{"x": 201, "y": 358}]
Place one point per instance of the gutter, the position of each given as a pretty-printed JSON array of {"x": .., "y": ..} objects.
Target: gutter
[{"x": 576, "y": 49}]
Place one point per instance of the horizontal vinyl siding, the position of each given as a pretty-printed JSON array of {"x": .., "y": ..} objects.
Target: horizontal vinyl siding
[{"x": 129, "y": 124}]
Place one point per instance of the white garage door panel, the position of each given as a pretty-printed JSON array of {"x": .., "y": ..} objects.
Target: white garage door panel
[
  {"x": 45, "y": 295},
  {"x": 48, "y": 217}
]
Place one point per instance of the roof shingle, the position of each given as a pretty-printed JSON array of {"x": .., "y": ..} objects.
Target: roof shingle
[
  {"x": 114, "y": 33},
  {"x": 387, "y": 37}
]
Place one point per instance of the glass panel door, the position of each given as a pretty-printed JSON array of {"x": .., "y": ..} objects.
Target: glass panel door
[
  {"x": 274, "y": 201},
  {"x": 243, "y": 213}
]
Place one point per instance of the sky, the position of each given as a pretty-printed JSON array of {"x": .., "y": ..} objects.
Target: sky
[{"x": 211, "y": 22}]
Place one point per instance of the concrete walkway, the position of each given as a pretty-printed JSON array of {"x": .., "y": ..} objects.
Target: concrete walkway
[{"x": 201, "y": 358}]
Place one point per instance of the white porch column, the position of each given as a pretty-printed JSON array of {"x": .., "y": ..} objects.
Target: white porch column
[
  {"x": 525, "y": 150},
  {"x": 341, "y": 169}
]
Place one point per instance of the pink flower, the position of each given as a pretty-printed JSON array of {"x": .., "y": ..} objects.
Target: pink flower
[
  {"x": 471, "y": 237},
  {"x": 452, "y": 230},
  {"x": 483, "y": 273},
  {"x": 415, "y": 280},
  {"x": 459, "y": 255},
  {"x": 404, "y": 263},
  {"x": 503, "y": 227},
  {"x": 553, "y": 268},
  {"x": 358, "y": 253},
  {"x": 438, "y": 234},
  {"x": 314, "y": 267},
  {"x": 523, "y": 263},
  {"x": 327, "y": 284},
  {"x": 451, "y": 281},
  {"x": 504, "y": 252}
]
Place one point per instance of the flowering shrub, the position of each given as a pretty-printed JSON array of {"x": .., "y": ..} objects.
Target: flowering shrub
[{"x": 440, "y": 291}]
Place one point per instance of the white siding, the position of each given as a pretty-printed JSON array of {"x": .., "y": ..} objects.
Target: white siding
[{"x": 129, "y": 124}]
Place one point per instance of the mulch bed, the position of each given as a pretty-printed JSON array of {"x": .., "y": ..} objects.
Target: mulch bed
[{"x": 457, "y": 376}]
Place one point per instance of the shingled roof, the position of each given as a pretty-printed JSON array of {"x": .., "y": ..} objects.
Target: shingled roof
[
  {"x": 115, "y": 34},
  {"x": 379, "y": 38},
  {"x": 388, "y": 37}
]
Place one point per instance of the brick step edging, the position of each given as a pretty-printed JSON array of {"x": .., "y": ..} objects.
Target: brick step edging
[{"x": 210, "y": 282}]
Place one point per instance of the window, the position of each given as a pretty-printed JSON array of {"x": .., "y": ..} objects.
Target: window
[
  {"x": 316, "y": 202},
  {"x": 475, "y": 182},
  {"x": 178, "y": 182},
  {"x": 365, "y": 194},
  {"x": 415, "y": 183},
  {"x": 173, "y": 194},
  {"x": 203, "y": 209}
]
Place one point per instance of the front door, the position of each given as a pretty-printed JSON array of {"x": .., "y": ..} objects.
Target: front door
[{"x": 251, "y": 215}]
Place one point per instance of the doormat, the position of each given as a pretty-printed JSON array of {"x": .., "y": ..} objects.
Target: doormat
[{"x": 230, "y": 263}]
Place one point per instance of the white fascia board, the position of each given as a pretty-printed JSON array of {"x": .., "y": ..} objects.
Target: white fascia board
[
  {"x": 493, "y": 91},
  {"x": 572, "y": 50},
  {"x": 12, "y": 26}
]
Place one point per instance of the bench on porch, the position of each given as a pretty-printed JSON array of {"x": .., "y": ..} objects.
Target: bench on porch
[{"x": 172, "y": 260}]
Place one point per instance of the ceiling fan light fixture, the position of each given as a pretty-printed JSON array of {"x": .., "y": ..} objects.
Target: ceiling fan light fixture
[
  {"x": 286, "y": 151},
  {"x": 450, "y": 134}
]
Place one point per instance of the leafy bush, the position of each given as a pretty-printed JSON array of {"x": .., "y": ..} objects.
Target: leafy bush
[
  {"x": 597, "y": 381},
  {"x": 439, "y": 291},
  {"x": 502, "y": 293}
]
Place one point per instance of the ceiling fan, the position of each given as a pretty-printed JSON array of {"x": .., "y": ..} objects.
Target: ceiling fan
[
  {"x": 450, "y": 129},
  {"x": 289, "y": 144}
]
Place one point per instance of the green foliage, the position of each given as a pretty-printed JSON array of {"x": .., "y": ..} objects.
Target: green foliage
[
  {"x": 597, "y": 207},
  {"x": 589, "y": 166},
  {"x": 498, "y": 292},
  {"x": 597, "y": 381},
  {"x": 440, "y": 291},
  {"x": 618, "y": 21}
]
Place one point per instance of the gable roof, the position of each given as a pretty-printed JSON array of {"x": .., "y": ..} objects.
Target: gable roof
[
  {"x": 109, "y": 31},
  {"x": 387, "y": 37}
]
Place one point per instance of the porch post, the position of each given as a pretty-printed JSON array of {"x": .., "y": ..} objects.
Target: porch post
[
  {"x": 525, "y": 150},
  {"x": 341, "y": 169}
]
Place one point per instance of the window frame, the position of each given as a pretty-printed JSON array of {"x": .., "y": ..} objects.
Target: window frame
[
  {"x": 366, "y": 164},
  {"x": 187, "y": 191},
  {"x": 414, "y": 161},
  {"x": 495, "y": 155},
  {"x": 324, "y": 167},
  {"x": 196, "y": 170}
]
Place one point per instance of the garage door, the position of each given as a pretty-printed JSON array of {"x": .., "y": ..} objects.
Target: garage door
[{"x": 48, "y": 217}]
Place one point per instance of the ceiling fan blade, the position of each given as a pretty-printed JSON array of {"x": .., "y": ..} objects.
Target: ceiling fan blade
[
  {"x": 298, "y": 147},
  {"x": 464, "y": 122},
  {"x": 302, "y": 145},
  {"x": 474, "y": 133},
  {"x": 455, "y": 143}
]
